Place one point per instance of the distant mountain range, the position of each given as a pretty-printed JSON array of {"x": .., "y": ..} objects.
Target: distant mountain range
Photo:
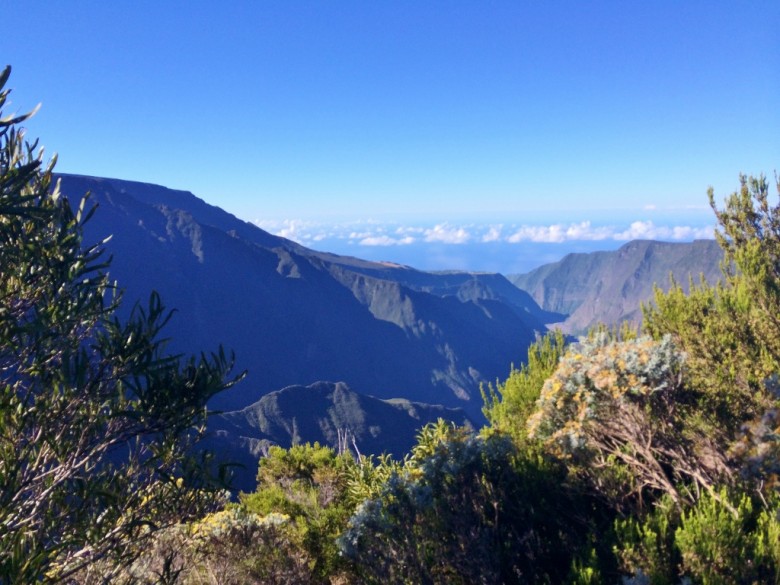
[
  {"x": 609, "y": 287},
  {"x": 334, "y": 344}
]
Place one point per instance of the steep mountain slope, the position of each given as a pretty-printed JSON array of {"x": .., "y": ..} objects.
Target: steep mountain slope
[
  {"x": 466, "y": 286},
  {"x": 325, "y": 412},
  {"x": 609, "y": 287},
  {"x": 294, "y": 316}
]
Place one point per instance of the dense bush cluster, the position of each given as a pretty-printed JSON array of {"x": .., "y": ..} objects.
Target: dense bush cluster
[
  {"x": 650, "y": 457},
  {"x": 459, "y": 511}
]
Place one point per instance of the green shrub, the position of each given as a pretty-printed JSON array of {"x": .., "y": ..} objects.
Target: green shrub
[{"x": 722, "y": 541}]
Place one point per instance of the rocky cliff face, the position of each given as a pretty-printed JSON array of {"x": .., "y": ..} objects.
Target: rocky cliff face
[{"x": 608, "y": 287}]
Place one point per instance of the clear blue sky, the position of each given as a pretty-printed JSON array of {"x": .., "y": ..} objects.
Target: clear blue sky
[{"x": 285, "y": 109}]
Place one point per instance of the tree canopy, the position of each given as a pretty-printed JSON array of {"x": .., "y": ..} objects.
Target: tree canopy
[{"x": 96, "y": 420}]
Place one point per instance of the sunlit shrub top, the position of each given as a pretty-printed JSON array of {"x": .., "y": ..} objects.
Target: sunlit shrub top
[{"x": 593, "y": 378}]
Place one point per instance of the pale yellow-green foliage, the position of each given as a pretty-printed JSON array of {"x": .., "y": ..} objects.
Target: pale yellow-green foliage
[
  {"x": 621, "y": 415},
  {"x": 594, "y": 379},
  {"x": 220, "y": 523}
]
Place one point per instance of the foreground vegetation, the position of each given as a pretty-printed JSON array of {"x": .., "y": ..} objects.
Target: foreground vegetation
[
  {"x": 646, "y": 456},
  {"x": 630, "y": 457},
  {"x": 97, "y": 423}
]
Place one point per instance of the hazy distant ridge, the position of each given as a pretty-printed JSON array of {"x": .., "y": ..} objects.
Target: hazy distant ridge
[{"x": 609, "y": 287}]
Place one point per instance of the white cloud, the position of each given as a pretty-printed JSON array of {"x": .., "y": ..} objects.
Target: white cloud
[
  {"x": 529, "y": 233},
  {"x": 409, "y": 230},
  {"x": 585, "y": 231},
  {"x": 691, "y": 233},
  {"x": 640, "y": 230},
  {"x": 360, "y": 235},
  {"x": 386, "y": 241},
  {"x": 447, "y": 234},
  {"x": 374, "y": 233},
  {"x": 647, "y": 230},
  {"x": 493, "y": 234},
  {"x": 557, "y": 233},
  {"x": 292, "y": 229}
]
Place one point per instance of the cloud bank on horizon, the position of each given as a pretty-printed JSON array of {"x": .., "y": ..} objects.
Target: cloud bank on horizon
[{"x": 375, "y": 233}]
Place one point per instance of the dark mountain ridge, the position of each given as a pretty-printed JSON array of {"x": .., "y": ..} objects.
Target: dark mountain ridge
[
  {"x": 296, "y": 316},
  {"x": 333, "y": 415}
]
